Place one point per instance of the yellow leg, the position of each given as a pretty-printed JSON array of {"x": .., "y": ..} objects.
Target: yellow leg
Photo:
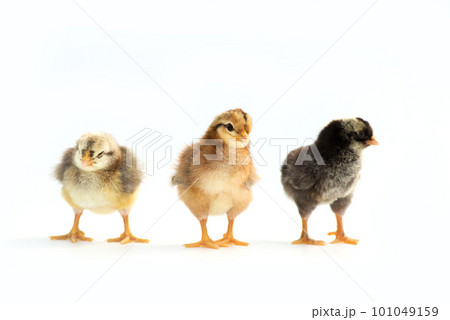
[
  {"x": 304, "y": 238},
  {"x": 74, "y": 234},
  {"x": 228, "y": 237},
  {"x": 206, "y": 241},
  {"x": 339, "y": 233},
  {"x": 127, "y": 236}
]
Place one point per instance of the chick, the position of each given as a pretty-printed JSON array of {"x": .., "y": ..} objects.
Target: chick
[
  {"x": 215, "y": 175},
  {"x": 309, "y": 184},
  {"x": 95, "y": 176}
]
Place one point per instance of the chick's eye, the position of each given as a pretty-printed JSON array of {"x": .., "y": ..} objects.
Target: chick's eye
[
  {"x": 100, "y": 155},
  {"x": 230, "y": 127},
  {"x": 360, "y": 134}
]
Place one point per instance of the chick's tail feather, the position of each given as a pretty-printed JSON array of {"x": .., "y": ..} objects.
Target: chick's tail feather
[
  {"x": 174, "y": 181},
  {"x": 177, "y": 180},
  {"x": 284, "y": 173}
]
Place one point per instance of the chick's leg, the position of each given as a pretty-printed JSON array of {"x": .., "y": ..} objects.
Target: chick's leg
[
  {"x": 228, "y": 237},
  {"x": 206, "y": 241},
  {"x": 127, "y": 236},
  {"x": 304, "y": 238},
  {"x": 339, "y": 207},
  {"x": 74, "y": 234},
  {"x": 339, "y": 233}
]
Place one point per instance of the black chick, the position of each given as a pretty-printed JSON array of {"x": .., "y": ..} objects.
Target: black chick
[{"x": 332, "y": 177}]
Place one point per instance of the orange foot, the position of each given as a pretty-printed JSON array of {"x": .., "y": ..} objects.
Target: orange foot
[
  {"x": 342, "y": 238},
  {"x": 205, "y": 243},
  {"x": 230, "y": 240},
  {"x": 73, "y": 236},
  {"x": 128, "y": 237},
  {"x": 308, "y": 240}
]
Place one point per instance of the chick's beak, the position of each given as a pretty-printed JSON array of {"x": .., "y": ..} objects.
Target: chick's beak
[
  {"x": 372, "y": 142},
  {"x": 87, "y": 161},
  {"x": 243, "y": 137}
]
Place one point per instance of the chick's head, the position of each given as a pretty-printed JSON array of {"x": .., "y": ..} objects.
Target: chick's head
[
  {"x": 355, "y": 133},
  {"x": 96, "y": 151},
  {"x": 232, "y": 126}
]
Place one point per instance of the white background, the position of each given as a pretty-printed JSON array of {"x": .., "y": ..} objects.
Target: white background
[{"x": 62, "y": 75}]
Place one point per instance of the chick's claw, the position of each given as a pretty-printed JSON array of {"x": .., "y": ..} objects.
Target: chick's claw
[
  {"x": 127, "y": 238},
  {"x": 342, "y": 238},
  {"x": 72, "y": 236}
]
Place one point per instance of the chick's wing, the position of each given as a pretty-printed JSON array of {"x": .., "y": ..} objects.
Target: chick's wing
[
  {"x": 130, "y": 176},
  {"x": 300, "y": 176},
  {"x": 65, "y": 163}
]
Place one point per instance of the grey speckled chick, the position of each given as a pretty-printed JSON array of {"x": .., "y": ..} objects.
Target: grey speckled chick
[
  {"x": 95, "y": 176},
  {"x": 309, "y": 184}
]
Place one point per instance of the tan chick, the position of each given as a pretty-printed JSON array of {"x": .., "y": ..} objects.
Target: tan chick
[
  {"x": 215, "y": 175},
  {"x": 95, "y": 176}
]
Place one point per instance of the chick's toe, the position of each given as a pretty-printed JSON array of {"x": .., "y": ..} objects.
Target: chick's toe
[
  {"x": 342, "y": 238},
  {"x": 73, "y": 236},
  {"x": 308, "y": 240},
  {"x": 229, "y": 240},
  {"x": 127, "y": 238},
  {"x": 207, "y": 243}
]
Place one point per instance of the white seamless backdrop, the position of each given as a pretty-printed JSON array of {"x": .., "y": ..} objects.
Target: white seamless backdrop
[{"x": 67, "y": 67}]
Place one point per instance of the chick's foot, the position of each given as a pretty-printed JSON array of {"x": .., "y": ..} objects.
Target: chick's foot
[
  {"x": 308, "y": 240},
  {"x": 340, "y": 237},
  {"x": 230, "y": 240},
  {"x": 73, "y": 236},
  {"x": 205, "y": 243},
  {"x": 127, "y": 238}
]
